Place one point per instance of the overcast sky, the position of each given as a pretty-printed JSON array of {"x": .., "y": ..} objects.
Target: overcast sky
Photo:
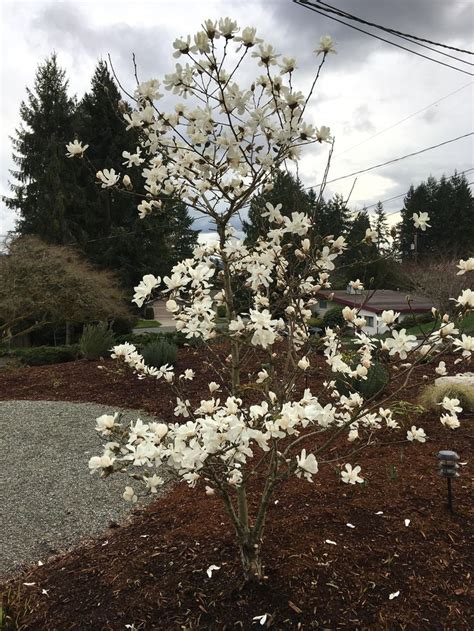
[{"x": 364, "y": 89}]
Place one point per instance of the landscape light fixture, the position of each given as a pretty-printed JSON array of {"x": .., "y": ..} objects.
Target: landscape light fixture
[{"x": 448, "y": 468}]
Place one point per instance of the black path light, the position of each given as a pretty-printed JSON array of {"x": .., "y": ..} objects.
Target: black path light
[{"x": 448, "y": 468}]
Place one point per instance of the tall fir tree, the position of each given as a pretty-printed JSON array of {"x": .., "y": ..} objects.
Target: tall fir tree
[
  {"x": 449, "y": 203},
  {"x": 381, "y": 228},
  {"x": 44, "y": 187},
  {"x": 288, "y": 191},
  {"x": 123, "y": 241},
  {"x": 332, "y": 217}
]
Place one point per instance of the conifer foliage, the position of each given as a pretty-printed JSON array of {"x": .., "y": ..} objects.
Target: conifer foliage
[
  {"x": 58, "y": 200},
  {"x": 44, "y": 186},
  {"x": 449, "y": 204}
]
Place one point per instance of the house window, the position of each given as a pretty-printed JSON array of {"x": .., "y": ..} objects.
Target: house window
[
  {"x": 323, "y": 304},
  {"x": 370, "y": 320}
]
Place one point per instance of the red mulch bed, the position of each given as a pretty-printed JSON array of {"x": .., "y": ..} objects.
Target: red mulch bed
[{"x": 152, "y": 572}]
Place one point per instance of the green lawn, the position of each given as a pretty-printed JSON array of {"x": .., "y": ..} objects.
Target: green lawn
[
  {"x": 147, "y": 324},
  {"x": 467, "y": 327}
]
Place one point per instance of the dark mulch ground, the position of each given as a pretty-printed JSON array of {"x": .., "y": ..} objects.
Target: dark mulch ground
[{"x": 152, "y": 572}]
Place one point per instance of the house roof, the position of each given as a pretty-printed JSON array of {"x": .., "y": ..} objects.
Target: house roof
[{"x": 380, "y": 300}]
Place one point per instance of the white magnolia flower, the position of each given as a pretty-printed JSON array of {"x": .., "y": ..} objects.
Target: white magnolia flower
[
  {"x": 105, "y": 423},
  {"x": 356, "y": 284},
  {"x": 414, "y": 434},
  {"x": 450, "y": 420},
  {"x": 144, "y": 288},
  {"x": 351, "y": 475},
  {"x": 451, "y": 405},
  {"x": 349, "y": 314},
  {"x": 100, "y": 462},
  {"x": 304, "y": 363},
  {"x": 210, "y": 491},
  {"x": 213, "y": 387},
  {"x": 323, "y": 134},
  {"x": 326, "y": 45},
  {"x": 466, "y": 266},
  {"x": 466, "y": 344},
  {"x": 153, "y": 482},
  {"x": 371, "y": 236},
  {"x": 108, "y": 177},
  {"x": 75, "y": 149},
  {"x": 400, "y": 343},
  {"x": 389, "y": 317},
  {"x": 262, "y": 376},
  {"x": 441, "y": 368},
  {"x": 307, "y": 465},
  {"x": 129, "y": 495},
  {"x": 421, "y": 220},
  {"x": 466, "y": 299}
]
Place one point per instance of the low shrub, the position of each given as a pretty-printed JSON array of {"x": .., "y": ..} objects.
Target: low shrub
[
  {"x": 221, "y": 311},
  {"x": 333, "y": 317},
  {"x": 160, "y": 352},
  {"x": 149, "y": 313},
  {"x": 377, "y": 381},
  {"x": 45, "y": 355},
  {"x": 315, "y": 322},
  {"x": 432, "y": 395},
  {"x": 96, "y": 341},
  {"x": 122, "y": 325}
]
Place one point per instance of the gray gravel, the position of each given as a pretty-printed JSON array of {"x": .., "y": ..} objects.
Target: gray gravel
[{"x": 49, "y": 500}]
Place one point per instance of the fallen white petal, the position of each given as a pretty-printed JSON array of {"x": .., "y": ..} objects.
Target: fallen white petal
[
  {"x": 350, "y": 525},
  {"x": 45, "y": 591},
  {"x": 333, "y": 543},
  {"x": 394, "y": 595},
  {"x": 211, "y": 569},
  {"x": 407, "y": 522},
  {"x": 261, "y": 619},
  {"x": 40, "y": 563},
  {"x": 29, "y": 584},
  {"x": 380, "y": 512}
]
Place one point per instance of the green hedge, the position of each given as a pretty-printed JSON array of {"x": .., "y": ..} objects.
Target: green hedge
[{"x": 44, "y": 355}]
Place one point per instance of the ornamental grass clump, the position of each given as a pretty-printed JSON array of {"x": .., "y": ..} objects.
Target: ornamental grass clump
[
  {"x": 220, "y": 145},
  {"x": 432, "y": 396}
]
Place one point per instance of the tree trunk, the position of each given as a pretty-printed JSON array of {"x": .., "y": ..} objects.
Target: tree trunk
[
  {"x": 251, "y": 562},
  {"x": 68, "y": 333}
]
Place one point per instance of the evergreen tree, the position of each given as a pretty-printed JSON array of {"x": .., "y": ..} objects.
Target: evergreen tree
[
  {"x": 449, "y": 203},
  {"x": 288, "y": 191},
  {"x": 381, "y": 228},
  {"x": 113, "y": 235},
  {"x": 332, "y": 217},
  {"x": 45, "y": 187}
]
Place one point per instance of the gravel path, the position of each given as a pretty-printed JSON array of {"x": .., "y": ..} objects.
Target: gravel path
[{"x": 49, "y": 500}]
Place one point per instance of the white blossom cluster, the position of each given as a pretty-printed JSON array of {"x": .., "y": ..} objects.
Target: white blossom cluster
[
  {"x": 221, "y": 141},
  {"x": 219, "y": 147}
]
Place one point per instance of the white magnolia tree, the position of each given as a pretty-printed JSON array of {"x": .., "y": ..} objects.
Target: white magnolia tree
[{"x": 219, "y": 146}]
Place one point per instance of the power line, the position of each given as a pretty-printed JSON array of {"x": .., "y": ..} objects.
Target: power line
[
  {"x": 405, "y": 119},
  {"x": 393, "y": 160},
  {"x": 390, "y": 199},
  {"x": 394, "y": 31},
  {"x": 305, "y": 3}
]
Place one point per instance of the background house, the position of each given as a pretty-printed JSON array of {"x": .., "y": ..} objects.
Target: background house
[{"x": 371, "y": 304}]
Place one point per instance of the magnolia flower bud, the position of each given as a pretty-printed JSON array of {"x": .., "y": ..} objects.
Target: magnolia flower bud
[
  {"x": 172, "y": 305},
  {"x": 127, "y": 182}
]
